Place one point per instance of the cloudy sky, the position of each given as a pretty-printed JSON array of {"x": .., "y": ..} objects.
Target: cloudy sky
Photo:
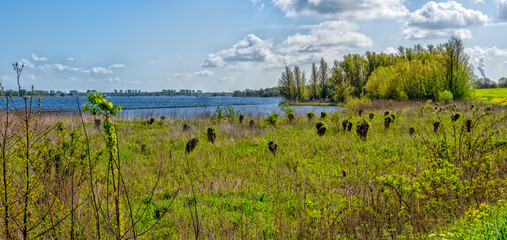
[{"x": 223, "y": 45}]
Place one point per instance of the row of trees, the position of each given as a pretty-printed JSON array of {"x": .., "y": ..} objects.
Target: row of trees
[{"x": 413, "y": 73}]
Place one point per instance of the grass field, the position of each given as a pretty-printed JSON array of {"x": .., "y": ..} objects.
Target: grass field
[
  {"x": 496, "y": 96},
  {"x": 335, "y": 186}
]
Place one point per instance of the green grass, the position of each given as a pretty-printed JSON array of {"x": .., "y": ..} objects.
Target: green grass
[
  {"x": 484, "y": 222},
  {"x": 334, "y": 186},
  {"x": 491, "y": 92}
]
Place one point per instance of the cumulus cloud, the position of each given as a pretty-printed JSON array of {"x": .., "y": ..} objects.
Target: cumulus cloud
[
  {"x": 441, "y": 20},
  {"x": 60, "y": 67},
  {"x": 117, "y": 65},
  {"x": 344, "y": 9},
  {"x": 31, "y": 77},
  {"x": 322, "y": 40},
  {"x": 249, "y": 49},
  {"x": 326, "y": 36},
  {"x": 502, "y": 10},
  {"x": 478, "y": 52},
  {"x": 390, "y": 50},
  {"x": 101, "y": 70}
]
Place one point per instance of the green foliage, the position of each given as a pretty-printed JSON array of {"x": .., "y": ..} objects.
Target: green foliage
[
  {"x": 218, "y": 115},
  {"x": 230, "y": 113},
  {"x": 323, "y": 114},
  {"x": 286, "y": 108},
  {"x": 445, "y": 96},
  {"x": 272, "y": 118}
]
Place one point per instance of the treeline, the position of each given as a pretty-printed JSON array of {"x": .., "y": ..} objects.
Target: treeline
[
  {"x": 416, "y": 73},
  {"x": 488, "y": 83},
  {"x": 267, "y": 92}
]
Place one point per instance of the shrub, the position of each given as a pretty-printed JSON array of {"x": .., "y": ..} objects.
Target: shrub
[
  {"x": 349, "y": 126},
  {"x": 319, "y": 125},
  {"x": 362, "y": 129},
  {"x": 322, "y": 130},
  {"x": 344, "y": 124},
  {"x": 272, "y": 147},
  {"x": 251, "y": 123},
  {"x": 445, "y": 96},
  {"x": 241, "y": 117},
  {"x": 272, "y": 118},
  {"x": 291, "y": 117},
  {"x": 468, "y": 125},
  {"x": 455, "y": 117},
  {"x": 162, "y": 117},
  {"x": 230, "y": 113},
  {"x": 218, "y": 115},
  {"x": 360, "y": 112},
  {"x": 212, "y": 134},
  {"x": 310, "y": 116},
  {"x": 372, "y": 116},
  {"x": 411, "y": 131},
  {"x": 386, "y": 113},
  {"x": 323, "y": 114},
  {"x": 387, "y": 121},
  {"x": 192, "y": 143}
]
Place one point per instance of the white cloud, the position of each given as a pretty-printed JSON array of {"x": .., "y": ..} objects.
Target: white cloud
[
  {"x": 204, "y": 73},
  {"x": 250, "y": 49},
  {"x": 5, "y": 77},
  {"x": 323, "y": 40},
  {"x": 101, "y": 70},
  {"x": 70, "y": 59},
  {"x": 60, "y": 67},
  {"x": 136, "y": 82},
  {"x": 27, "y": 63},
  {"x": 478, "y": 1},
  {"x": 115, "y": 79},
  {"x": 117, "y": 65},
  {"x": 502, "y": 10},
  {"x": 343, "y": 9},
  {"x": 477, "y": 52},
  {"x": 36, "y": 57},
  {"x": 390, "y": 50},
  {"x": 327, "y": 36},
  {"x": 441, "y": 20}
]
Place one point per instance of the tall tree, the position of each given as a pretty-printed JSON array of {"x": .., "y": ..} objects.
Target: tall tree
[
  {"x": 459, "y": 72},
  {"x": 340, "y": 87},
  {"x": 354, "y": 67},
  {"x": 323, "y": 79},
  {"x": 314, "y": 83},
  {"x": 300, "y": 82},
  {"x": 286, "y": 84}
]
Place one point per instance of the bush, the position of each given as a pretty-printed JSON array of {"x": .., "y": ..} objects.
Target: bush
[
  {"x": 445, "y": 96},
  {"x": 319, "y": 125},
  {"x": 272, "y": 118},
  {"x": 310, "y": 116},
  {"x": 323, "y": 114},
  {"x": 212, "y": 134},
  {"x": 322, "y": 129},
  {"x": 241, "y": 117}
]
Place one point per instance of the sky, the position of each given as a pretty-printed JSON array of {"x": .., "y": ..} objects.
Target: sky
[{"x": 226, "y": 45}]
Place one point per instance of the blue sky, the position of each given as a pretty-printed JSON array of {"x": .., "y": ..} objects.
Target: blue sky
[{"x": 224, "y": 45}]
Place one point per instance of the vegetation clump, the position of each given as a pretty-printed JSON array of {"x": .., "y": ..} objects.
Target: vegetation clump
[
  {"x": 323, "y": 114},
  {"x": 445, "y": 96},
  {"x": 272, "y": 147},
  {"x": 319, "y": 125},
  {"x": 349, "y": 126},
  {"x": 150, "y": 121},
  {"x": 310, "y": 116},
  {"x": 212, "y": 134},
  {"x": 191, "y": 144},
  {"x": 241, "y": 117},
  {"x": 362, "y": 129},
  {"x": 344, "y": 124},
  {"x": 411, "y": 131},
  {"x": 386, "y": 113},
  {"x": 322, "y": 130},
  {"x": 455, "y": 117},
  {"x": 291, "y": 117},
  {"x": 468, "y": 125},
  {"x": 371, "y": 115},
  {"x": 360, "y": 112},
  {"x": 251, "y": 123},
  {"x": 272, "y": 118},
  {"x": 387, "y": 121},
  {"x": 436, "y": 125},
  {"x": 185, "y": 127}
]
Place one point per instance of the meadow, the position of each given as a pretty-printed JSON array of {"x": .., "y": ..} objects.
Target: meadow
[
  {"x": 403, "y": 179},
  {"x": 496, "y": 96}
]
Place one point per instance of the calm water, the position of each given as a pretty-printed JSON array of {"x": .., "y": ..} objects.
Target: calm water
[{"x": 180, "y": 107}]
